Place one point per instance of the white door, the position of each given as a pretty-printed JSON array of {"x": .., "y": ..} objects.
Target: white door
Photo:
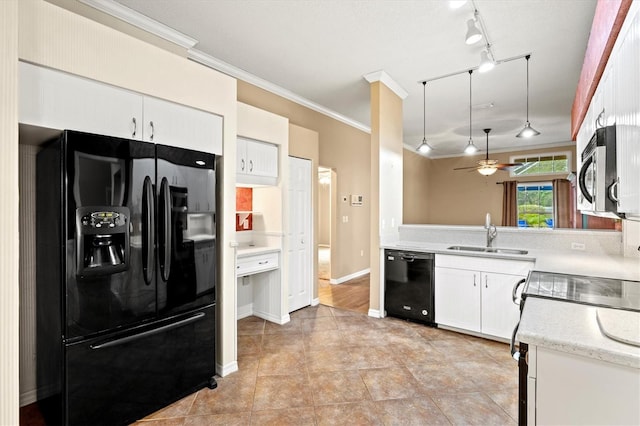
[{"x": 300, "y": 253}]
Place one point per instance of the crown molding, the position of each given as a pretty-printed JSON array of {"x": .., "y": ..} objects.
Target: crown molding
[
  {"x": 385, "y": 78},
  {"x": 141, "y": 21},
  {"x": 233, "y": 71},
  {"x": 154, "y": 27}
]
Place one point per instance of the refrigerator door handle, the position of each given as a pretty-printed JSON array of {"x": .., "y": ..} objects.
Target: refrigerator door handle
[
  {"x": 165, "y": 257},
  {"x": 148, "y": 228},
  {"x": 123, "y": 340}
]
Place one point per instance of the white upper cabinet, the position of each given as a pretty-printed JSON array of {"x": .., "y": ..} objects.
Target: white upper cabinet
[
  {"x": 625, "y": 65},
  {"x": 256, "y": 162},
  {"x": 171, "y": 124},
  {"x": 57, "y": 100}
]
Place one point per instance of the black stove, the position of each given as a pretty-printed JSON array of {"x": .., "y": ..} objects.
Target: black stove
[{"x": 596, "y": 291}]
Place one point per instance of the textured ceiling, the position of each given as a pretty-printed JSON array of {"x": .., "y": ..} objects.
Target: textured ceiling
[{"x": 320, "y": 50}]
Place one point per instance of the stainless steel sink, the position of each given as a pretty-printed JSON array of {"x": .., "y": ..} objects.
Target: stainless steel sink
[{"x": 488, "y": 249}]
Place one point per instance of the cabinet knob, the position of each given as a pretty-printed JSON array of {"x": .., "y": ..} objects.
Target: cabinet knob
[
  {"x": 250, "y": 165},
  {"x": 135, "y": 127},
  {"x": 242, "y": 164},
  {"x": 152, "y": 130}
]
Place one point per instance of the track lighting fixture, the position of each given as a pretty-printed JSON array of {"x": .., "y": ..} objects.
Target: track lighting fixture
[
  {"x": 474, "y": 35},
  {"x": 527, "y": 131},
  {"x": 486, "y": 61},
  {"x": 471, "y": 148},
  {"x": 424, "y": 147}
]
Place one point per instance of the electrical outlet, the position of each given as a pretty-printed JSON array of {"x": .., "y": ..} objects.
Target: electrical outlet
[{"x": 577, "y": 246}]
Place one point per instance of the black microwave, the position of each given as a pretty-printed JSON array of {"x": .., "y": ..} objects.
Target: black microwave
[{"x": 597, "y": 177}]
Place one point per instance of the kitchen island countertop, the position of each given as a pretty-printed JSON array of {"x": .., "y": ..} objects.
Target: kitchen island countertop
[{"x": 572, "y": 328}]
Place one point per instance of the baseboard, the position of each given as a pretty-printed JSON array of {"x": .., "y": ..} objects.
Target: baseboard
[
  {"x": 375, "y": 313},
  {"x": 349, "y": 277},
  {"x": 29, "y": 397},
  {"x": 278, "y": 320},
  {"x": 315, "y": 302},
  {"x": 244, "y": 311},
  {"x": 225, "y": 370}
]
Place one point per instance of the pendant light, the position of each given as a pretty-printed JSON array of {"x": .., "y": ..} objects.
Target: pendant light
[
  {"x": 424, "y": 147},
  {"x": 487, "y": 167},
  {"x": 527, "y": 131},
  {"x": 471, "y": 148}
]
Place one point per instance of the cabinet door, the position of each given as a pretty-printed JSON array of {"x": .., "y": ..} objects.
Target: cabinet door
[
  {"x": 627, "y": 105},
  {"x": 457, "y": 298},
  {"x": 499, "y": 314},
  {"x": 262, "y": 159},
  {"x": 57, "y": 100},
  {"x": 241, "y": 156},
  {"x": 177, "y": 125}
]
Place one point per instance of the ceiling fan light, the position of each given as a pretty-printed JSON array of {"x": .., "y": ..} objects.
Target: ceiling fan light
[
  {"x": 457, "y": 4},
  {"x": 487, "y": 170},
  {"x": 424, "y": 147},
  {"x": 527, "y": 131},
  {"x": 471, "y": 148},
  {"x": 473, "y": 33},
  {"x": 486, "y": 63}
]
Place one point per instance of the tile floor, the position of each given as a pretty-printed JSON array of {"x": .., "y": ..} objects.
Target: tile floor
[{"x": 336, "y": 367}]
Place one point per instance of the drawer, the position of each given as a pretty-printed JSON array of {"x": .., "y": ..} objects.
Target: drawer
[{"x": 255, "y": 264}]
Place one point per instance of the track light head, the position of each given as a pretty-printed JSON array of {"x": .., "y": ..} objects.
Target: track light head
[
  {"x": 474, "y": 35},
  {"x": 486, "y": 63}
]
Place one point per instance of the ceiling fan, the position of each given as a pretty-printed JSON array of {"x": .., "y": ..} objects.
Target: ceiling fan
[{"x": 488, "y": 167}]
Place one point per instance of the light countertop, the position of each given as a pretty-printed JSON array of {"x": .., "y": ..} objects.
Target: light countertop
[
  {"x": 560, "y": 261},
  {"x": 573, "y": 328},
  {"x": 249, "y": 250}
]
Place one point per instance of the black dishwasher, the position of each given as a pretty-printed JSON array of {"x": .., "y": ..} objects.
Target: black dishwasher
[{"x": 409, "y": 285}]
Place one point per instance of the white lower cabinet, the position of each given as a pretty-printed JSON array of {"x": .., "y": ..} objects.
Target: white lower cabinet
[
  {"x": 457, "y": 298},
  {"x": 570, "y": 389},
  {"x": 475, "y": 294},
  {"x": 259, "y": 283}
]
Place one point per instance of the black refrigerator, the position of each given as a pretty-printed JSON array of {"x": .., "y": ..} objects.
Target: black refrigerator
[{"x": 126, "y": 277}]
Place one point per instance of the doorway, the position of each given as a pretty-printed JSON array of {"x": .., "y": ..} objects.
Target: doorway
[{"x": 325, "y": 217}]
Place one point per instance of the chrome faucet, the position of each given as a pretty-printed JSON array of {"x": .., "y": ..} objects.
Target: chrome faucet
[{"x": 492, "y": 232}]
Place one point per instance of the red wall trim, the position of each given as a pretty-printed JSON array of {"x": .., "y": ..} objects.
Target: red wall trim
[{"x": 607, "y": 22}]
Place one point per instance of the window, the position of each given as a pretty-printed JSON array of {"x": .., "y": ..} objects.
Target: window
[
  {"x": 535, "y": 205},
  {"x": 542, "y": 164}
]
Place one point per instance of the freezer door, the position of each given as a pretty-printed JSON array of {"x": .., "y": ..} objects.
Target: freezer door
[
  {"x": 186, "y": 229},
  {"x": 123, "y": 377},
  {"x": 109, "y": 233}
]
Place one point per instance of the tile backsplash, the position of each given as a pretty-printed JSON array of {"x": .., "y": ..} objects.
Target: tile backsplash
[{"x": 244, "y": 204}]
